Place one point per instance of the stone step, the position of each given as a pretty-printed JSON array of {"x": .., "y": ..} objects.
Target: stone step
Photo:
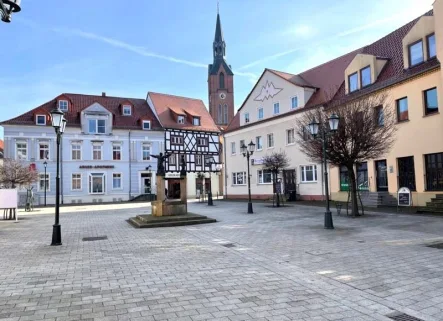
[
  {"x": 140, "y": 224},
  {"x": 434, "y": 205},
  {"x": 439, "y": 196},
  {"x": 162, "y": 219},
  {"x": 430, "y": 210},
  {"x": 437, "y": 200}
]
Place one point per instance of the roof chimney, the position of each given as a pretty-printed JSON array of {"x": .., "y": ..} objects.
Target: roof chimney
[{"x": 103, "y": 94}]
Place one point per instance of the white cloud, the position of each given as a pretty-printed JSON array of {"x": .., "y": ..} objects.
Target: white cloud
[{"x": 300, "y": 31}]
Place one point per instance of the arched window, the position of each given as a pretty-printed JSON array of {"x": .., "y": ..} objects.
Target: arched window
[
  {"x": 225, "y": 114},
  {"x": 220, "y": 114},
  {"x": 222, "y": 80}
]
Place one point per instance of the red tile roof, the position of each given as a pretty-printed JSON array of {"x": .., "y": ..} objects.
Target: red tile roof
[
  {"x": 78, "y": 102},
  {"x": 165, "y": 105}
]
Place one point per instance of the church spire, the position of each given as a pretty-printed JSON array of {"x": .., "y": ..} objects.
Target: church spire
[{"x": 219, "y": 45}]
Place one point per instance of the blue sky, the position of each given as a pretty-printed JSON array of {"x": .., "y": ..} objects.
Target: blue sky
[{"x": 129, "y": 48}]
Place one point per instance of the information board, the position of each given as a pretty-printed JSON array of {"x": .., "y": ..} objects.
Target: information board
[{"x": 404, "y": 197}]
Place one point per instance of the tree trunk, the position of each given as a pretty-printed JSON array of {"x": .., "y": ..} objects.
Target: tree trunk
[
  {"x": 275, "y": 188},
  {"x": 354, "y": 200}
]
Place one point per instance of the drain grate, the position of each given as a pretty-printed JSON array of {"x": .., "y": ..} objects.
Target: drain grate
[
  {"x": 398, "y": 316},
  {"x": 229, "y": 245},
  {"x": 436, "y": 246},
  {"x": 94, "y": 238}
]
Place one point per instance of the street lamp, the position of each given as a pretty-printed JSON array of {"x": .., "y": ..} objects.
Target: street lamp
[
  {"x": 247, "y": 152},
  {"x": 325, "y": 133},
  {"x": 7, "y": 7},
  {"x": 45, "y": 164},
  {"x": 59, "y": 124}
]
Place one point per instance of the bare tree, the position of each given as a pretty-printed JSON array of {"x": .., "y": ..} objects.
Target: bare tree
[
  {"x": 366, "y": 131},
  {"x": 14, "y": 174},
  {"x": 275, "y": 163}
]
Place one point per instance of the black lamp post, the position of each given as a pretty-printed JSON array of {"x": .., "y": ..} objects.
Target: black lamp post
[
  {"x": 247, "y": 152},
  {"x": 7, "y": 7},
  {"x": 325, "y": 133},
  {"x": 59, "y": 124},
  {"x": 45, "y": 164}
]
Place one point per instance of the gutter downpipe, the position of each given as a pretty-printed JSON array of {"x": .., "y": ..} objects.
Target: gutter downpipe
[
  {"x": 130, "y": 165},
  {"x": 225, "y": 192}
]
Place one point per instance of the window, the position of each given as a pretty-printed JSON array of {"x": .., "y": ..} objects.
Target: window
[
  {"x": 220, "y": 113},
  {"x": 116, "y": 152},
  {"x": 42, "y": 181},
  {"x": 97, "y": 152},
  {"x": 116, "y": 181},
  {"x": 294, "y": 102},
  {"x": 402, "y": 109},
  {"x": 146, "y": 152},
  {"x": 76, "y": 151},
  {"x": 181, "y": 119},
  {"x": 172, "y": 159},
  {"x": 362, "y": 177},
  {"x": 221, "y": 78},
  {"x": 431, "y": 102},
  {"x": 260, "y": 113},
  {"x": 309, "y": 173},
  {"x": 76, "y": 182},
  {"x": 41, "y": 120},
  {"x": 239, "y": 178},
  {"x": 196, "y": 121},
  {"x": 353, "y": 82},
  {"x": 43, "y": 151},
  {"x": 365, "y": 76},
  {"x": 146, "y": 125},
  {"x": 246, "y": 118},
  {"x": 225, "y": 114},
  {"x": 406, "y": 172},
  {"x": 264, "y": 176},
  {"x": 431, "y": 46},
  {"x": 198, "y": 160},
  {"x": 290, "y": 136},
  {"x": 306, "y": 133},
  {"x": 270, "y": 140},
  {"x": 127, "y": 110},
  {"x": 97, "y": 126},
  {"x": 233, "y": 148},
  {"x": 202, "y": 141},
  {"x": 434, "y": 172},
  {"x": 416, "y": 53},
  {"x": 242, "y": 142},
  {"x": 379, "y": 116},
  {"x": 96, "y": 183},
  {"x": 176, "y": 140},
  {"x": 63, "y": 105},
  {"x": 258, "y": 143},
  {"x": 344, "y": 178},
  {"x": 21, "y": 151},
  {"x": 276, "y": 108}
]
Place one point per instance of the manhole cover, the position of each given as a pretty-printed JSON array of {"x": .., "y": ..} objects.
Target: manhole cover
[
  {"x": 398, "y": 316},
  {"x": 436, "y": 246},
  {"x": 94, "y": 238},
  {"x": 229, "y": 245}
]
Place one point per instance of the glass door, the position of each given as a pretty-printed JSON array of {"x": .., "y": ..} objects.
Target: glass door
[{"x": 382, "y": 175}]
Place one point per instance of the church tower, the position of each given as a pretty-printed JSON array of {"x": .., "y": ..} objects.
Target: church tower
[{"x": 220, "y": 81}]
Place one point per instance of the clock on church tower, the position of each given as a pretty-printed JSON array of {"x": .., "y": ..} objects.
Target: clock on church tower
[{"x": 220, "y": 81}]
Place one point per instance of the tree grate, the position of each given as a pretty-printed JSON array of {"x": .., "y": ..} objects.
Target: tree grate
[
  {"x": 397, "y": 316},
  {"x": 436, "y": 245},
  {"x": 94, "y": 238},
  {"x": 229, "y": 245}
]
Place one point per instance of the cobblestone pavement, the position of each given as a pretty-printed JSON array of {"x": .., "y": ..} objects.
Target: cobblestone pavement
[{"x": 277, "y": 264}]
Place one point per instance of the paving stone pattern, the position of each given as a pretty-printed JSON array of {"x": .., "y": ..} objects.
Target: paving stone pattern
[{"x": 283, "y": 266}]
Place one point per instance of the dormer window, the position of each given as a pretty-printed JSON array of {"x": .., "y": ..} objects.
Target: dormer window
[
  {"x": 63, "y": 105},
  {"x": 365, "y": 76},
  {"x": 196, "y": 121},
  {"x": 146, "y": 125},
  {"x": 127, "y": 110},
  {"x": 353, "y": 82},
  {"x": 97, "y": 126},
  {"x": 416, "y": 53},
  {"x": 181, "y": 119},
  {"x": 431, "y": 46},
  {"x": 40, "y": 120}
]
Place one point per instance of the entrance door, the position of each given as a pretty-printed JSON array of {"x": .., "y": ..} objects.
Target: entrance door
[
  {"x": 289, "y": 180},
  {"x": 382, "y": 175},
  {"x": 146, "y": 183}
]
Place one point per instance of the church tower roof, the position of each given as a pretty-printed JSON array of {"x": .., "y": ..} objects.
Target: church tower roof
[{"x": 219, "y": 50}]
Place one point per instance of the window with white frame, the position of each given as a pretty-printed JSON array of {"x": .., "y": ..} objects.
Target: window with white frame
[
  {"x": 97, "y": 152},
  {"x": 198, "y": 160},
  {"x": 239, "y": 178},
  {"x": 40, "y": 120},
  {"x": 294, "y": 102},
  {"x": 21, "y": 151},
  {"x": 290, "y": 136},
  {"x": 258, "y": 143},
  {"x": 97, "y": 126},
  {"x": 308, "y": 173},
  {"x": 264, "y": 176},
  {"x": 146, "y": 152},
  {"x": 196, "y": 121},
  {"x": 127, "y": 110},
  {"x": 63, "y": 105},
  {"x": 43, "y": 151},
  {"x": 42, "y": 181},
  {"x": 97, "y": 183},
  {"x": 276, "y": 108},
  {"x": 242, "y": 142},
  {"x": 172, "y": 159},
  {"x": 76, "y": 182},
  {"x": 270, "y": 140},
  {"x": 117, "y": 181},
  {"x": 181, "y": 119},
  {"x": 246, "y": 118},
  {"x": 260, "y": 113},
  {"x": 76, "y": 151},
  {"x": 146, "y": 125},
  {"x": 116, "y": 152},
  {"x": 176, "y": 140},
  {"x": 233, "y": 148},
  {"x": 202, "y": 141}
]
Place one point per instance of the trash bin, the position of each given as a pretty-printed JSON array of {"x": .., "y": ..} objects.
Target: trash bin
[{"x": 292, "y": 196}]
